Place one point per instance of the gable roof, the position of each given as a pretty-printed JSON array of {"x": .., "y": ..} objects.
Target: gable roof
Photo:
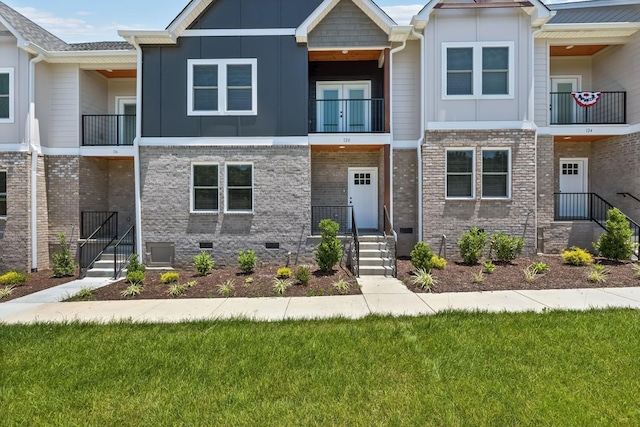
[
  {"x": 594, "y": 12},
  {"x": 27, "y": 31}
]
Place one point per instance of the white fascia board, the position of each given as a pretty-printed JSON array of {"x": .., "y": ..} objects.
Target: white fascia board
[
  {"x": 539, "y": 13},
  {"x": 225, "y": 142},
  {"x": 594, "y": 26},
  {"x": 149, "y": 36},
  {"x": 93, "y": 57},
  {"x": 488, "y": 125},
  {"x": 188, "y": 16},
  {"x": 113, "y": 151},
  {"x": 348, "y": 139},
  {"x": 400, "y": 33},
  {"x": 312, "y": 20},
  {"x": 14, "y": 148},
  {"x": 21, "y": 40},
  {"x": 240, "y": 32},
  {"x": 586, "y": 130}
]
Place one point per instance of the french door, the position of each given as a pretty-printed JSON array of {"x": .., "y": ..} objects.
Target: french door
[{"x": 344, "y": 107}]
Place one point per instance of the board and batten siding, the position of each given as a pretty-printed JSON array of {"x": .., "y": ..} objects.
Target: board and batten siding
[
  {"x": 541, "y": 82},
  {"x": 616, "y": 69},
  {"x": 65, "y": 114},
  {"x": 406, "y": 93},
  {"x": 498, "y": 25},
  {"x": 12, "y": 57}
]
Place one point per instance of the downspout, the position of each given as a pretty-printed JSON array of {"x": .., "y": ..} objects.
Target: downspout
[
  {"x": 422, "y": 131},
  {"x": 34, "y": 150},
  {"x": 391, "y": 52},
  {"x": 531, "y": 117},
  {"x": 136, "y": 149}
]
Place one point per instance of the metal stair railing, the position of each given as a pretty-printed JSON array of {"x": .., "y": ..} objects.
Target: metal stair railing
[
  {"x": 92, "y": 248},
  {"x": 123, "y": 250},
  {"x": 355, "y": 255},
  {"x": 388, "y": 230}
]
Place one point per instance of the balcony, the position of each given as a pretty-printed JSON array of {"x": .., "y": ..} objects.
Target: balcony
[
  {"x": 346, "y": 116},
  {"x": 108, "y": 130},
  {"x": 610, "y": 109}
]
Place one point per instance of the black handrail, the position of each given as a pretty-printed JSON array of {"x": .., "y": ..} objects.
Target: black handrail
[
  {"x": 123, "y": 250},
  {"x": 630, "y": 195},
  {"x": 108, "y": 129},
  {"x": 92, "y": 248},
  {"x": 90, "y": 221},
  {"x": 339, "y": 214},
  {"x": 610, "y": 109},
  {"x": 355, "y": 256},
  {"x": 389, "y": 231},
  {"x": 346, "y": 115},
  {"x": 591, "y": 207}
]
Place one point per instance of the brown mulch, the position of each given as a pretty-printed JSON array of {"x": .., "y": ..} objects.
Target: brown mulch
[
  {"x": 457, "y": 277},
  {"x": 207, "y": 287},
  {"x": 37, "y": 282}
]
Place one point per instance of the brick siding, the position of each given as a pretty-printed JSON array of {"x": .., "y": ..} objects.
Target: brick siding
[{"x": 405, "y": 199}]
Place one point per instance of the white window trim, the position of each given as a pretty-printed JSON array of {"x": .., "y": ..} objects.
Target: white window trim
[
  {"x": 226, "y": 188},
  {"x": 473, "y": 172},
  {"x": 4, "y": 217},
  {"x": 477, "y": 69},
  {"x": 222, "y": 86},
  {"x": 509, "y": 177},
  {"x": 11, "y": 94},
  {"x": 193, "y": 189}
]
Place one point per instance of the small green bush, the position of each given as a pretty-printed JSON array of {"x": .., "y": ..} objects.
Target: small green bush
[
  {"x": 424, "y": 279},
  {"x": 134, "y": 264},
  {"x": 539, "y": 267},
  {"x": 6, "y": 291},
  {"x": 132, "y": 291},
  {"x": 577, "y": 256},
  {"x": 303, "y": 274},
  {"x": 176, "y": 290},
  {"x": 203, "y": 263},
  {"x": 226, "y": 288},
  {"x": 169, "y": 277},
  {"x": 615, "y": 243},
  {"x": 84, "y": 294},
  {"x": 472, "y": 245},
  {"x": 342, "y": 286},
  {"x": 438, "y": 263},
  {"x": 135, "y": 277},
  {"x": 329, "y": 251},
  {"x": 597, "y": 274},
  {"x": 636, "y": 270},
  {"x": 13, "y": 278},
  {"x": 530, "y": 274},
  {"x": 478, "y": 277},
  {"x": 280, "y": 286},
  {"x": 421, "y": 257},
  {"x": 63, "y": 264},
  {"x": 507, "y": 248},
  {"x": 488, "y": 267},
  {"x": 284, "y": 273},
  {"x": 247, "y": 261}
]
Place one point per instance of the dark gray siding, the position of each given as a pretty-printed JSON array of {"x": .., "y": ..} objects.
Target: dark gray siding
[
  {"x": 256, "y": 14},
  {"x": 282, "y": 88}
]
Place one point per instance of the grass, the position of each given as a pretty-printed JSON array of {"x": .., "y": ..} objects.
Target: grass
[{"x": 450, "y": 369}]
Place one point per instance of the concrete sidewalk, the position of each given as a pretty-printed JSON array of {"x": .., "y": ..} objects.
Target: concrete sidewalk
[{"x": 380, "y": 295}]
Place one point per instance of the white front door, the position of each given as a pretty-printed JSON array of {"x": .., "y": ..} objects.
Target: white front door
[
  {"x": 574, "y": 198},
  {"x": 363, "y": 196},
  {"x": 343, "y": 107},
  {"x": 126, "y": 109},
  {"x": 563, "y": 106}
]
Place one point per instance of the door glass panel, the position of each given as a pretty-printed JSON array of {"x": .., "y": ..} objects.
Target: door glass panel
[
  {"x": 356, "y": 115},
  {"x": 565, "y": 107},
  {"x": 330, "y": 109}
]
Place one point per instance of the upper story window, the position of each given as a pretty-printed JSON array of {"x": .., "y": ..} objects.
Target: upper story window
[
  {"x": 478, "y": 70},
  {"x": 6, "y": 95},
  {"x": 222, "y": 87},
  {"x": 3, "y": 193}
]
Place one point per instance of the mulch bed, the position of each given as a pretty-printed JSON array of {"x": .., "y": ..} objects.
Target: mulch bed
[
  {"x": 37, "y": 282},
  {"x": 207, "y": 287},
  {"x": 457, "y": 277}
]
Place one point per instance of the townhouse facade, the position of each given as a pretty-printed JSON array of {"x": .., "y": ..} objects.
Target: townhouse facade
[{"x": 245, "y": 122}]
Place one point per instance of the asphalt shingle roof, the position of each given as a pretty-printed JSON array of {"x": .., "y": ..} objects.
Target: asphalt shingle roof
[{"x": 591, "y": 14}]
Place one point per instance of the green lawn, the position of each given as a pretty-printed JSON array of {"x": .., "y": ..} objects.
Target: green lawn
[{"x": 451, "y": 369}]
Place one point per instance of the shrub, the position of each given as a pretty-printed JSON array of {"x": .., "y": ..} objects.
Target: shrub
[
  {"x": 248, "y": 280},
  {"x": 488, "y": 267},
  {"x": 6, "y": 291},
  {"x": 247, "y": 261},
  {"x": 478, "y": 277},
  {"x": 342, "y": 286},
  {"x": 329, "y": 251},
  {"x": 226, "y": 288},
  {"x": 13, "y": 278},
  {"x": 472, "y": 245},
  {"x": 191, "y": 284},
  {"x": 424, "y": 279},
  {"x": 539, "y": 267},
  {"x": 284, "y": 273},
  {"x": 636, "y": 270},
  {"x": 598, "y": 274},
  {"x": 132, "y": 291},
  {"x": 616, "y": 242},
  {"x": 507, "y": 248},
  {"x": 63, "y": 265},
  {"x": 135, "y": 277},
  {"x": 421, "y": 257},
  {"x": 530, "y": 274},
  {"x": 169, "y": 277},
  {"x": 438, "y": 263},
  {"x": 280, "y": 286},
  {"x": 303, "y": 274},
  {"x": 84, "y": 294},
  {"x": 135, "y": 265},
  {"x": 176, "y": 290},
  {"x": 577, "y": 256},
  {"x": 203, "y": 263}
]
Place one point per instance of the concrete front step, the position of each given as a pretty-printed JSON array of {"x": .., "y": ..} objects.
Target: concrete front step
[
  {"x": 372, "y": 262},
  {"x": 372, "y": 246},
  {"x": 376, "y": 271}
]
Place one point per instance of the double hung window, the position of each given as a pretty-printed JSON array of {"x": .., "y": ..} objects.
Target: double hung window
[{"x": 6, "y": 95}]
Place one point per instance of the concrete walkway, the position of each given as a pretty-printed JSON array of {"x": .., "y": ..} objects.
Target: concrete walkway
[{"x": 380, "y": 295}]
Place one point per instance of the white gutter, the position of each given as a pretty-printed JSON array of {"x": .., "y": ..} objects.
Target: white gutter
[
  {"x": 136, "y": 150},
  {"x": 34, "y": 150},
  {"x": 422, "y": 131},
  {"x": 531, "y": 116}
]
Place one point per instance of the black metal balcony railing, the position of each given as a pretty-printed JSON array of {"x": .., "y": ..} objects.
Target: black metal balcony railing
[
  {"x": 108, "y": 129},
  {"x": 611, "y": 109},
  {"x": 346, "y": 115},
  {"x": 340, "y": 214}
]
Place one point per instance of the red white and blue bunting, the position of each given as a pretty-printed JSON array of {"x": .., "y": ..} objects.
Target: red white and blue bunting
[{"x": 586, "y": 99}]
